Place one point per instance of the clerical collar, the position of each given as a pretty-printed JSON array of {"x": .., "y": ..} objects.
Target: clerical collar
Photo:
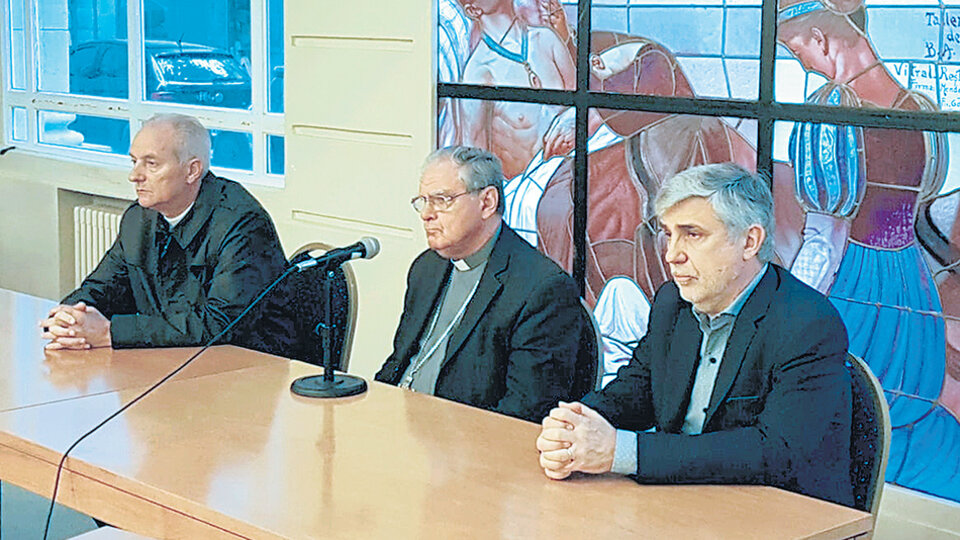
[
  {"x": 177, "y": 219},
  {"x": 472, "y": 261}
]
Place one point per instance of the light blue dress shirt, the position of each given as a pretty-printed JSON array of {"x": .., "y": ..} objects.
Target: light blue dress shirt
[{"x": 716, "y": 332}]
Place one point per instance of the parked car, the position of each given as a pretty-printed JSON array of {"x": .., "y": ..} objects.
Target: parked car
[{"x": 174, "y": 72}]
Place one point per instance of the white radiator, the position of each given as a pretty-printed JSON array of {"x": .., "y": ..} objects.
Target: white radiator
[{"x": 95, "y": 227}]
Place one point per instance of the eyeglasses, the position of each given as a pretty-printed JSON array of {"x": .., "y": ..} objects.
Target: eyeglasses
[{"x": 440, "y": 202}]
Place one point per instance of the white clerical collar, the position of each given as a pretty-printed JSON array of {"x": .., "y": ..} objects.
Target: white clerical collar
[
  {"x": 177, "y": 219},
  {"x": 472, "y": 261}
]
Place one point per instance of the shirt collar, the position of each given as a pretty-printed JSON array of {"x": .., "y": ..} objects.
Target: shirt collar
[
  {"x": 734, "y": 308},
  {"x": 472, "y": 261},
  {"x": 172, "y": 222}
]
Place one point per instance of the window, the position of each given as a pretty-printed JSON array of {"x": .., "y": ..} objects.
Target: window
[
  {"x": 81, "y": 75},
  {"x": 593, "y": 104}
]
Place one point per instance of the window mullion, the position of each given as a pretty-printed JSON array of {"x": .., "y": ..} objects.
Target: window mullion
[
  {"x": 29, "y": 60},
  {"x": 258, "y": 86},
  {"x": 135, "y": 65}
]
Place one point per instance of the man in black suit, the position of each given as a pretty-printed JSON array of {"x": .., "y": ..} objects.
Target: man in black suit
[
  {"x": 487, "y": 320},
  {"x": 740, "y": 378}
]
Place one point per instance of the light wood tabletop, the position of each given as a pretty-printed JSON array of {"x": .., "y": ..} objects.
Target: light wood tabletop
[
  {"x": 32, "y": 376},
  {"x": 236, "y": 455}
]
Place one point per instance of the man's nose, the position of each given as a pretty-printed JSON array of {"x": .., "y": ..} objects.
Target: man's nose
[
  {"x": 427, "y": 213},
  {"x": 675, "y": 254},
  {"x": 136, "y": 174}
]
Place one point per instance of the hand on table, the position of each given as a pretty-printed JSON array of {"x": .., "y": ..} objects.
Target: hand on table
[
  {"x": 75, "y": 327},
  {"x": 574, "y": 437}
]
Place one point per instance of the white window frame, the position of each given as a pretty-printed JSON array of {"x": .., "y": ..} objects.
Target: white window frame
[{"x": 256, "y": 121}]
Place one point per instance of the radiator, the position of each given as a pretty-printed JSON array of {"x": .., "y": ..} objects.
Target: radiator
[{"x": 95, "y": 227}]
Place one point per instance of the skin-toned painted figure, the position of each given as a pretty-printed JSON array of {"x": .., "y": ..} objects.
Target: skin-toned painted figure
[{"x": 511, "y": 53}]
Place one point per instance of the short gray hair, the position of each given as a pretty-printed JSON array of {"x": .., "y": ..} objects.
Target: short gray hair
[
  {"x": 740, "y": 199},
  {"x": 193, "y": 140},
  {"x": 477, "y": 168}
]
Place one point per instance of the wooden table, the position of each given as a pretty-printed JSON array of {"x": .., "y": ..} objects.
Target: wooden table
[
  {"x": 233, "y": 454},
  {"x": 30, "y": 376}
]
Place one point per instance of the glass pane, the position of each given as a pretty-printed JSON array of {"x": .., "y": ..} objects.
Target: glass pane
[
  {"x": 82, "y": 48},
  {"x": 82, "y": 131},
  {"x": 527, "y": 171},
  {"x": 631, "y": 155},
  {"x": 19, "y": 124},
  {"x": 99, "y": 68},
  {"x": 18, "y": 67},
  {"x": 527, "y": 48},
  {"x": 275, "y": 54},
  {"x": 868, "y": 216},
  {"x": 198, "y": 52},
  {"x": 231, "y": 149},
  {"x": 479, "y": 123},
  {"x": 910, "y": 70},
  {"x": 706, "y": 48},
  {"x": 275, "y": 156}
]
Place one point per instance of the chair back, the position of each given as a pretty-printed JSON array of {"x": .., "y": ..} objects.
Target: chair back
[
  {"x": 869, "y": 436},
  {"x": 596, "y": 358},
  {"x": 305, "y": 305}
]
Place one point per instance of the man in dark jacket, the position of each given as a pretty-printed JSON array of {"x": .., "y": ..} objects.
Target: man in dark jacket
[
  {"x": 192, "y": 253},
  {"x": 487, "y": 320},
  {"x": 740, "y": 378}
]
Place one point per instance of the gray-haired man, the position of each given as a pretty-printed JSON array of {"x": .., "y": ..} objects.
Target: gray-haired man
[
  {"x": 487, "y": 319},
  {"x": 741, "y": 372},
  {"x": 192, "y": 253}
]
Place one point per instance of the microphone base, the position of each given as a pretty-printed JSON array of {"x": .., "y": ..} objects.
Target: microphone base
[{"x": 316, "y": 386}]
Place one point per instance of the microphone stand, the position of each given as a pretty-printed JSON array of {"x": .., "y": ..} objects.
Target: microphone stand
[{"x": 330, "y": 384}]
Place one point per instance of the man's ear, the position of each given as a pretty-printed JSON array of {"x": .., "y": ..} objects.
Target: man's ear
[
  {"x": 818, "y": 37},
  {"x": 489, "y": 200},
  {"x": 194, "y": 171},
  {"x": 754, "y": 241}
]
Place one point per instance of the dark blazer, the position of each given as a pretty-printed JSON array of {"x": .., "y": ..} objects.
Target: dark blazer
[
  {"x": 181, "y": 287},
  {"x": 780, "y": 411},
  {"x": 524, "y": 342}
]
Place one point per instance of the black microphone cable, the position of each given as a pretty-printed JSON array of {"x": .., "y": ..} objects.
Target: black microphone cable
[{"x": 118, "y": 412}]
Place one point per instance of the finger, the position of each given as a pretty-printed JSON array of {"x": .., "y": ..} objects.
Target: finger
[
  {"x": 566, "y": 415},
  {"x": 73, "y": 342},
  {"x": 65, "y": 318},
  {"x": 559, "y": 435},
  {"x": 574, "y": 406},
  {"x": 81, "y": 306},
  {"x": 56, "y": 332},
  {"x": 562, "y": 455},
  {"x": 47, "y": 323},
  {"x": 548, "y": 464},
  {"x": 545, "y": 444},
  {"x": 552, "y": 423},
  {"x": 556, "y": 475}
]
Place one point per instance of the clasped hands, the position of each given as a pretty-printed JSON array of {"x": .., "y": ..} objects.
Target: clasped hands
[
  {"x": 575, "y": 437},
  {"x": 75, "y": 327}
]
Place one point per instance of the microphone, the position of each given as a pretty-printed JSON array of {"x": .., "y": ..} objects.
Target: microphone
[{"x": 366, "y": 248}]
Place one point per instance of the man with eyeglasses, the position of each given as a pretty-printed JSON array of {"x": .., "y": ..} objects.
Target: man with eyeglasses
[{"x": 487, "y": 319}]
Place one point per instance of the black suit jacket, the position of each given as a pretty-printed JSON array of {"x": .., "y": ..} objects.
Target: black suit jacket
[
  {"x": 181, "y": 287},
  {"x": 524, "y": 342},
  {"x": 780, "y": 411}
]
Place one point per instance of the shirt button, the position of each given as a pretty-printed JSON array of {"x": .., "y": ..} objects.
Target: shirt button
[{"x": 713, "y": 360}]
